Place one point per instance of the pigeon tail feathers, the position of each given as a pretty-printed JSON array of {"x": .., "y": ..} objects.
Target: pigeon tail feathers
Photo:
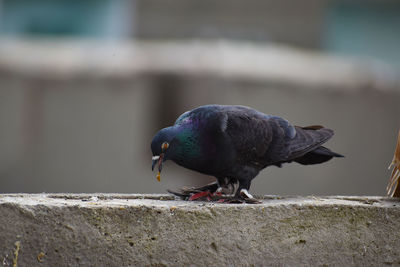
[{"x": 318, "y": 155}]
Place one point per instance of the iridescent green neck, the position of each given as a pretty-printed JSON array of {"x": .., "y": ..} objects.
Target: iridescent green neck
[{"x": 189, "y": 143}]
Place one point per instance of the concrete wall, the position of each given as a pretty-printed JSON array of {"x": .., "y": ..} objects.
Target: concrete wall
[
  {"x": 78, "y": 116},
  {"x": 142, "y": 230}
]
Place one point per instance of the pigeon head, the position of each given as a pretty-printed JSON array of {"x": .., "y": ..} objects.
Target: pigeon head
[
  {"x": 160, "y": 146},
  {"x": 179, "y": 143}
]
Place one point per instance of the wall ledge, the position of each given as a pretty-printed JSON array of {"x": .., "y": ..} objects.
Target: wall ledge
[
  {"x": 157, "y": 230},
  {"x": 68, "y": 59}
]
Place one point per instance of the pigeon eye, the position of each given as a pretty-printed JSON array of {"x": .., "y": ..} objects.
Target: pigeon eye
[{"x": 164, "y": 145}]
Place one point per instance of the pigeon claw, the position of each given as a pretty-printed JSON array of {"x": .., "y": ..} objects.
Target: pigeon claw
[
  {"x": 252, "y": 201},
  {"x": 248, "y": 198}
]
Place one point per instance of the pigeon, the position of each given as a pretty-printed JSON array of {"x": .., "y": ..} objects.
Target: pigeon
[{"x": 234, "y": 143}]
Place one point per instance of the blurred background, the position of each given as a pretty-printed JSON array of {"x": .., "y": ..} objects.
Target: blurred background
[{"x": 84, "y": 86}]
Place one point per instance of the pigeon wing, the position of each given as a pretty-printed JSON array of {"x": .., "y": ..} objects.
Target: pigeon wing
[
  {"x": 306, "y": 140},
  {"x": 254, "y": 134}
]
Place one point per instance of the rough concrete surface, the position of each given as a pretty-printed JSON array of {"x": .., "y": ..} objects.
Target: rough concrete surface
[{"x": 157, "y": 230}]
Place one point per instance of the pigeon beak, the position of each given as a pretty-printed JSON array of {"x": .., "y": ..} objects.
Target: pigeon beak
[
  {"x": 154, "y": 161},
  {"x": 159, "y": 160}
]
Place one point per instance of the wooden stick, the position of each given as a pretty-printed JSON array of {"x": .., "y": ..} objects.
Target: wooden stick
[{"x": 393, "y": 188}]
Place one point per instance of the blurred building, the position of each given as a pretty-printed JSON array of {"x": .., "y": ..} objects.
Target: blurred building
[{"x": 85, "y": 85}]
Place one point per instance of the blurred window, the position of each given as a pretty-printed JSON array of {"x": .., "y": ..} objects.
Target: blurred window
[{"x": 92, "y": 18}]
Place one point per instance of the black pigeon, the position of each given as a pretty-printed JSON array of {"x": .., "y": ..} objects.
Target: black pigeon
[{"x": 234, "y": 143}]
